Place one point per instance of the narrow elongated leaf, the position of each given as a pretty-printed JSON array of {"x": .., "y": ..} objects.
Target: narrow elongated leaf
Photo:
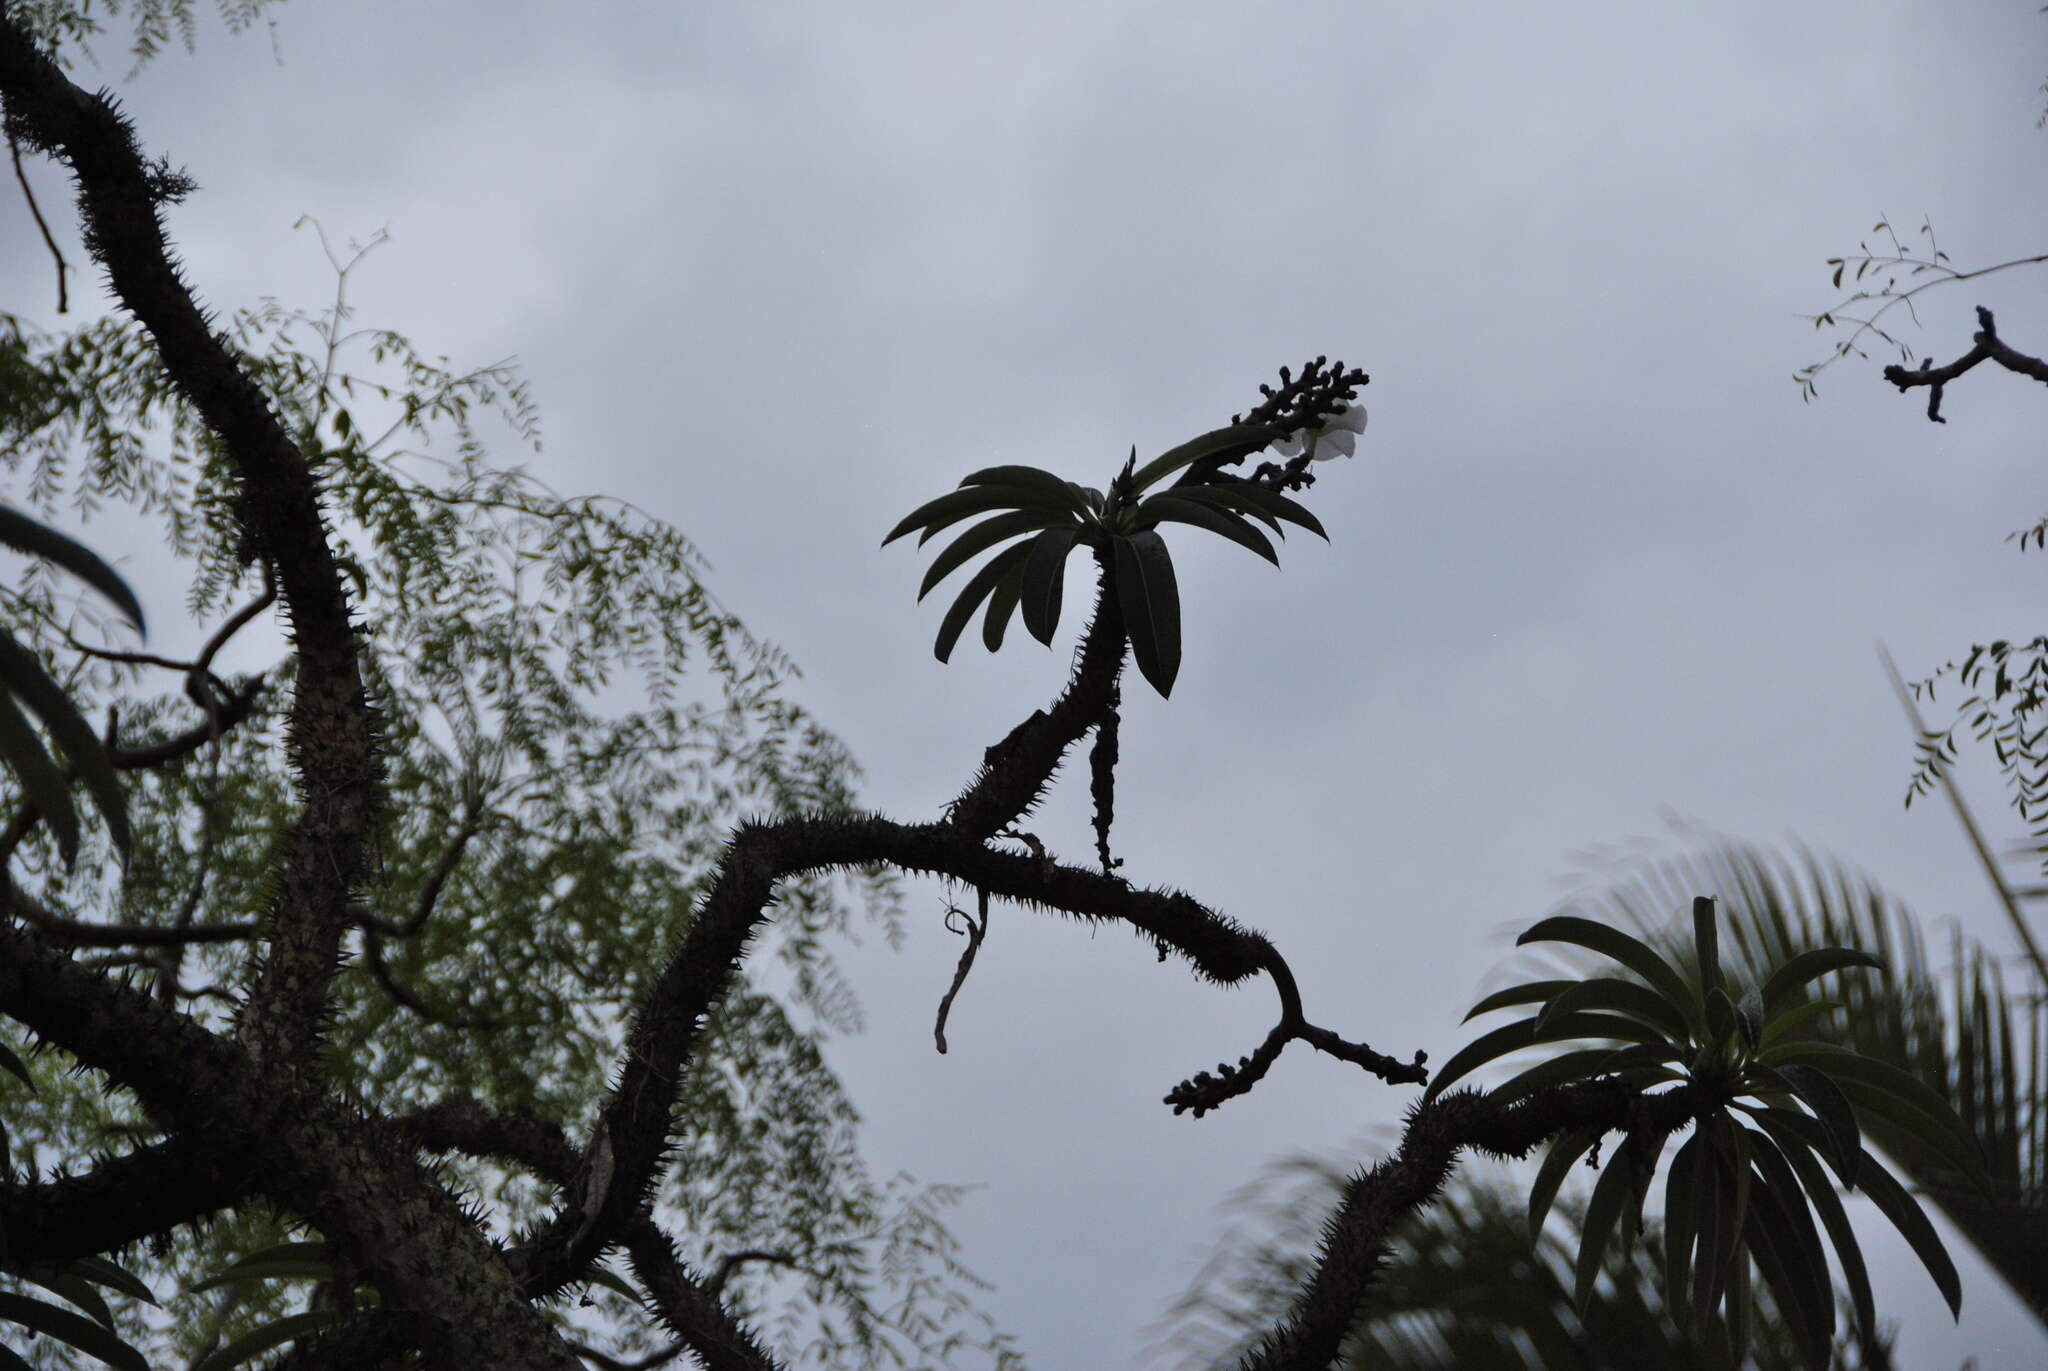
[
  {"x": 67, "y": 1284},
  {"x": 1529, "y": 992},
  {"x": 73, "y": 1330},
  {"x": 1820, "y": 1193},
  {"x": 1048, "y": 492},
  {"x": 16, "y": 1067},
  {"x": 976, "y": 540},
  {"x": 23, "y": 674},
  {"x": 1230, "y": 500},
  {"x": 1170, "y": 508},
  {"x": 37, "y": 539},
  {"x": 1232, "y": 441},
  {"x": 1632, "y": 952},
  {"x": 1891, "y": 1094},
  {"x": 1151, "y": 604},
  {"x": 41, "y": 779},
  {"x": 1566, "y": 1149},
  {"x": 1002, "y": 603},
  {"x": 1045, "y": 580},
  {"x": 257, "y": 1341},
  {"x": 1630, "y": 998},
  {"x": 1510, "y": 1037},
  {"x": 1610, "y": 1197},
  {"x": 1818, "y": 1091},
  {"x": 955, "y": 505},
  {"x": 1808, "y": 967},
  {"x": 1780, "y": 1219},
  {"x": 1279, "y": 506},
  {"x": 114, "y": 1277},
  {"x": 1904, "y": 1211},
  {"x": 978, "y": 588},
  {"x": 1564, "y": 1067},
  {"x": 1678, "y": 1222}
]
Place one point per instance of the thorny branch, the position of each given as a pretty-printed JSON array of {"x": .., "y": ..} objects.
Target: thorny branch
[{"x": 254, "y": 1115}]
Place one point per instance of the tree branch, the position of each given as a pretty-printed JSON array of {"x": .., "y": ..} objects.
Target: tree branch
[
  {"x": 1989, "y": 347},
  {"x": 333, "y": 729}
]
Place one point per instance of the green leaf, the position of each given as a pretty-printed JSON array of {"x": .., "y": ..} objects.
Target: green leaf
[
  {"x": 1048, "y": 492},
  {"x": 60, "y": 1280},
  {"x": 1236, "y": 441},
  {"x": 978, "y": 539},
  {"x": 1002, "y": 603},
  {"x": 1277, "y": 505},
  {"x": 1568, "y": 1147},
  {"x": 1820, "y": 1193},
  {"x": 1170, "y": 508},
  {"x": 1151, "y": 606},
  {"x": 1529, "y": 992},
  {"x": 977, "y": 589},
  {"x": 23, "y": 674},
  {"x": 1045, "y": 578},
  {"x": 1780, "y": 1233},
  {"x": 1678, "y": 1222},
  {"x": 1631, "y": 998},
  {"x": 37, "y": 539},
  {"x": 1564, "y": 1067},
  {"x": 1810, "y": 966},
  {"x": 257, "y": 1341},
  {"x": 1818, "y": 1091},
  {"x": 1632, "y": 952},
  {"x": 1229, "y": 499},
  {"x": 1610, "y": 1196},
  {"x": 1512, "y": 1037},
  {"x": 1892, "y": 1200},
  {"x": 104, "y": 1272},
  {"x": 1891, "y": 1094},
  {"x": 73, "y": 1330},
  {"x": 41, "y": 780},
  {"x": 16, "y": 1067},
  {"x": 955, "y": 505}
]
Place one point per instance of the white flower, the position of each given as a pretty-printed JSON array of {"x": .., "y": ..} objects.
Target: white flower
[{"x": 1336, "y": 438}]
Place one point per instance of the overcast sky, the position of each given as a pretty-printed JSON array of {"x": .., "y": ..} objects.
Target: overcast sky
[{"x": 779, "y": 272}]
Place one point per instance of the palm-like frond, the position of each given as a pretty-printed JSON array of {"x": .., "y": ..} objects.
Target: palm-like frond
[
  {"x": 1464, "y": 1290},
  {"x": 1957, "y": 1028}
]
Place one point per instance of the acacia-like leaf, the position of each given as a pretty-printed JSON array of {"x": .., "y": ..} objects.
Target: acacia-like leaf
[
  {"x": 978, "y": 588},
  {"x": 37, "y": 539},
  {"x": 1170, "y": 508},
  {"x": 1151, "y": 606},
  {"x": 977, "y": 540},
  {"x": 1045, "y": 579}
]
